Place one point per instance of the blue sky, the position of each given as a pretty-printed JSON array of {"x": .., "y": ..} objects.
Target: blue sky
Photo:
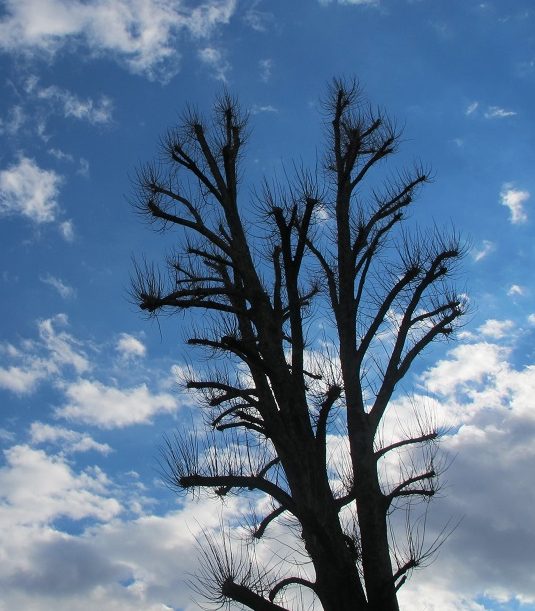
[{"x": 88, "y": 386}]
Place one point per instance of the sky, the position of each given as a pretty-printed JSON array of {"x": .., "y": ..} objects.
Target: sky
[{"x": 88, "y": 386}]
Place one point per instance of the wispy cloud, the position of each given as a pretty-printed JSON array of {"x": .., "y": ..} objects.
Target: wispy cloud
[
  {"x": 214, "y": 58},
  {"x": 142, "y": 34},
  {"x": 60, "y": 155},
  {"x": 67, "y": 230},
  {"x": 95, "y": 112},
  {"x": 257, "y": 109},
  {"x": 266, "y": 68},
  {"x": 471, "y": 108},
  {"x": 350, "y": 2},
  {"x": 496, "y": 112},
  {"x": 514, "y": 199},
  {"x": 23, "y": 369},
  {"x": 257, "y": 19},
  {"x": 492, "y": 112},
  {"x": 13, "y": 122},
  {"x": 30, "y": 191},
  {"x": 67, "y": 292},
  {"x": 483, "y": 251}
]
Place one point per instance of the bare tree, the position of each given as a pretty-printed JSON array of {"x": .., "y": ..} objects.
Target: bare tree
[{"x": 327, "y": 249}]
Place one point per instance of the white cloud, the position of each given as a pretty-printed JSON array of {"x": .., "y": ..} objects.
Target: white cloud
[
  {"x": 495, "y": 112},
  {"x": 70, "y": 441},
  {"x": 107, "y": 407},
  {"x": 13, "y": 122},
  {"x": 256, "y": 19},
  {"x": 64, "y": 349},
  {"x": 471, "y": 108},
  {"x": 60, "y": 155},
  {"x": 67, "y": 230},
  {"x": 496, "y": 329},
  {"x": 130, "y": 564},
  {"x": 266, "y": 68},
  {"x": 139, "y": 33},
  {"x": 37, "y": 488},
  {"x": 466, "y": 364},
  {"x": 531, "y": 319},
  {"x": 256, "y": 109},
  {"x": 490, "y": 412},
  {"x": 516, "y": 289},
  {"x": 67, "y": 292},
  {"x": 486, "y": 248},
  {"x": 29, "y": 191},
  {"x": 514, "y": 200},
  {"x": 36, "y": 361},
  {"x": 83, "y": 164},
  {"x": 95, "y": 112},
  {"x": 350, "y": 2},
  {"x": 117, "y": 565},
  {"x": 20, "y": 380},
  {"x": 214, "y": 58},
  {"x": 83, "y": 169},
  {"x": 129, "y": 346}
]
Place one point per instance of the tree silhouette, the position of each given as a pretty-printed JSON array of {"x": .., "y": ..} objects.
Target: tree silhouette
[{"x": 293, "y": 414}]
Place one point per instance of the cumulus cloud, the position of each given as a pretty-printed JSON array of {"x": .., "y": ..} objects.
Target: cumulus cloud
[
  {"x": 514, "y": 199},
  {"x": 70, "y": 441},
  {"x": 129, "y": 346},
  {"x": 516, "y": 289},
  {"x": 92, "y": 402},
  {"x": 496, "y": 329},
  {"x": 142, "y": 34},
  {"x": 65, "y": 291},
  {"x": 37, "y": 488},
  {"x": 490, "y": 411},
  {"x": 129, "y": 564},
  {"x": 30, "y": 191},
  {"x": 117, "y": 564},
  {"x": 466, "y": 364}
]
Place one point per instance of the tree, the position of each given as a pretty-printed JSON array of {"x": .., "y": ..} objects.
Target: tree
[{"x": 326, "y": 248}]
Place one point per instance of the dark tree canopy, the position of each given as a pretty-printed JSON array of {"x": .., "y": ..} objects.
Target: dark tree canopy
[{"x": 293, "y": 414}]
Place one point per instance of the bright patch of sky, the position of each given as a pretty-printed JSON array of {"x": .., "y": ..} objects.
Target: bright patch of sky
[{"x": 88, "y": 387}]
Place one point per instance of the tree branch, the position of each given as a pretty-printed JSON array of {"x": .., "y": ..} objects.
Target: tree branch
[
  {"x": 259, "y": 532},
  {"x": 247, "y": 597},
  {"x": 400, "y": 489},
  {"x": 404, "y": 442},
  {"x": 251, "y": 482},
  {"x": 289, "y": 581}
]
